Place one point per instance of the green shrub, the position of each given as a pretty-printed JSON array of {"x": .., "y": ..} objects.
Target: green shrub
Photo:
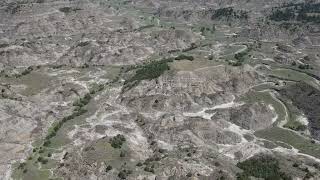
[
  {"x": 66, "y": 9},
  {"x": 295, "y": 165},
  {"x": 96, "y": 89},
  {"x": 123, "y": 174},
  {"x": 78, "y": 103},
  {"x": 122, "y": 154},
  {"x": 85, "y": 65},
  {"x": 296, "y": 126},
  {"x": 83, "y": 101},
  {"x": 304, "y": 66},
  {"x": 51, "y": 135},
  {"x": 240, "y": 57},
  {"x": 184, "y": 57},
  {"x": 80, "y": 112},
  {"x": 46, "y": 143},
  {"x": 57, "y": 66},
  {"x": 234, "y": 63},
  {"x": 149, "y": 168},
  {"x": 42, "y": 160},
  {"x": 22, "y": 165},
  {"x": 108, "y": 168},
  {"x": 139, "y": 164},
  {"x": 27, "y": 71},
  {"x": 117, "y": 141}
]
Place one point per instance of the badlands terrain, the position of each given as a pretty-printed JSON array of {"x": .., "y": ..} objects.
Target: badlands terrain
[{"x": 159, "y": 89}]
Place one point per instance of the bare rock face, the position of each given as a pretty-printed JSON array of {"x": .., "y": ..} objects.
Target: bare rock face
[
  {"x": 254, "y": 117},
  {"x": 189, "y": 91}
]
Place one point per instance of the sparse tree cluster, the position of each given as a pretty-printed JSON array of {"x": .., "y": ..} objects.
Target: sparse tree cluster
[
  {"x": 303, "y": 12},
  {"x": 265, "y": 167},
  {"x": 228, "y": 13}
]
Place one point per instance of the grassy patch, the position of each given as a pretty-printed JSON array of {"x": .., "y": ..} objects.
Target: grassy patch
[
  {"x": 42, "y": 154},
  {"x": 101, "y": 151},
  {"x": 34, "y": 80},
  {"x": 112, "y": 73},
  {"x": 295, "y": 125},
  {"x": 30, "y": 169},
  {"x": 186, "y": 65},
  {"x": 292, "y": 75},
  {"x": 293, "y": 115},
  {"x": 302, "y": 144}
]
